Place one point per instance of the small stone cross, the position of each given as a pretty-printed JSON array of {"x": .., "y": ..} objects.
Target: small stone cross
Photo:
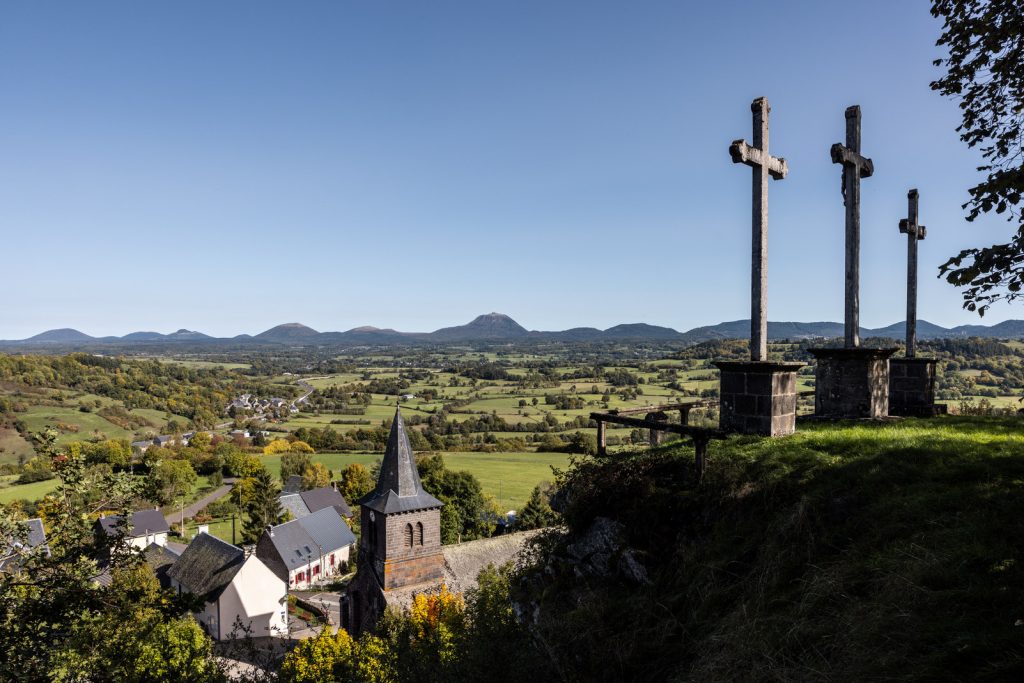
[
  {"x": 855, "y": 167},
  {"x": 914, "y": 232},
  {"x": 763, "y": 165}
]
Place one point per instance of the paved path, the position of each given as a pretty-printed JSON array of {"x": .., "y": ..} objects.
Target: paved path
[
  {"x": 330, "y": 602},
  {"x": 173, "y": 516}
]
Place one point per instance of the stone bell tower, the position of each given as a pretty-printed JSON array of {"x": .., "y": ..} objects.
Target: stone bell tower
[{"x": 401, "y": 533}]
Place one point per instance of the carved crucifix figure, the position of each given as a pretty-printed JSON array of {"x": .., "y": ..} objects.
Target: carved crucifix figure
[
  {"x": 762, "y": 165},
  {"x": 914, "y": 232},
  {"x": 855, "y": 167}
]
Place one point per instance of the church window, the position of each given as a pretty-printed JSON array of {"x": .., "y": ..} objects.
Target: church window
[
  {"x": 408, "y": 535},
  {"x": 419, "y": 532}
]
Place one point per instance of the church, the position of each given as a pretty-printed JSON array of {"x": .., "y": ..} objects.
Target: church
[
  {"x": 400, "y": 551},
  {"x": 400, "y": 544}
]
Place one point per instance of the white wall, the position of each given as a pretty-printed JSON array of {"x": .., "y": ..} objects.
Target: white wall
[
  {"x": 144, "y": 541},
  {"x": 328, "y": 571},
  {"x": 258, "y": 597}
]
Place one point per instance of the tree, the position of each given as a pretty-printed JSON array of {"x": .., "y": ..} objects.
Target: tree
[
  {"x": 316, "y": 476},
  {"x": 985, "y": 71},
  {"x": 263, "y": 508},
  {"x": 60, "y": 624},
  {"x": 171, "y": 478},
  {"x": 285, "y": 446},
  {"x": 537, "y": 512},
  {"x": 293, "y": 463},
  {"x": 200, "y": 440},
  {"x": 356, "y": 482}
]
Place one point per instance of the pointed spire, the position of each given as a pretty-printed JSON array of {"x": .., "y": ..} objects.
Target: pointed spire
[{"x": 398, "y": 475}]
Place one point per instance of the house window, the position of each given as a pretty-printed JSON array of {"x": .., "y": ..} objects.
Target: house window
[
  {"x": 408, "y": 535},
  {"x": 419, "y": 532},
  {"x": 301, "y": 576},
  {"x": 332, "y": 559}
]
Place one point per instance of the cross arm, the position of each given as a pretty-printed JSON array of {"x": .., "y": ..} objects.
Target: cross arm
[
  {"x": 847, "y": 157},
  {"x": 742, "y": 153},
  {"x": 905, "y": 228}
]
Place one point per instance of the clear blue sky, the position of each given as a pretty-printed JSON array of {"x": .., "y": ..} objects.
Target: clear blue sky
[{"x": 227, "y": 166}]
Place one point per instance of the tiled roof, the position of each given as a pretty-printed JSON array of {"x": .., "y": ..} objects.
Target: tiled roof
[
  {"x": 143, "y": 522},
  {"x": 318, "y": 499},
  {"x": 207, "y": 566},
  {"x": 293, "y": 485},
  {"x": 10, "y": 548},
  {"x": 294, "y": 504}
]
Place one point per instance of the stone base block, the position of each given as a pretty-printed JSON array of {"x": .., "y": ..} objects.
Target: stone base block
[
  {"x": 912, "y": 387},
  {"x": 758, "y": 397},
  {"x": 851, "y": 384}
]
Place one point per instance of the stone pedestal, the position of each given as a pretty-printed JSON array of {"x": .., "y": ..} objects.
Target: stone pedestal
[
  {"x": 912, "y": 387},
  {"x": 758, "y": 397},
  {"x": 851, "y": 383}
]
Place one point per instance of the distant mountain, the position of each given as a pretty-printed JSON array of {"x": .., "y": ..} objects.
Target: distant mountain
[
  {"x": 64, "y": 335},
  {"x": 497, "y": 327},
  {"x": 483, "y": 327},
  {"x": 640, "y": 331},
  {"x": 288, "y": 333}
]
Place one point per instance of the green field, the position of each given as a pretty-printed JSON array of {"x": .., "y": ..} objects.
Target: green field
[
  {"x": 13, "y": 445},
  {"x": 89, "y": 425},
  {"x": 33, "y": 491},
  {"x": 509, "y": 477}
]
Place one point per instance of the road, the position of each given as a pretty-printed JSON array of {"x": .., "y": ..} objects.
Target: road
[{"x": 173, "y": 516}]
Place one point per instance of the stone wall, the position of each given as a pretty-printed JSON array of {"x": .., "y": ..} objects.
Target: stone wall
[
  {"x": 912, "y": 387},
  {"x": 758, "y": 397},
  {"x": 852, "y": 383}
]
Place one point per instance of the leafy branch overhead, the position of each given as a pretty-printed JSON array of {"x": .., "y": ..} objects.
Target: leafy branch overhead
[{"x": 985, "y": 72}]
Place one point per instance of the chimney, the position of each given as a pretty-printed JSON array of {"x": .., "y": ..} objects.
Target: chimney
[{"x": 270, "y": 530}]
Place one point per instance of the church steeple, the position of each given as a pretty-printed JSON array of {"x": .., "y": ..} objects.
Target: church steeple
[{"x": 398, "y": 487}]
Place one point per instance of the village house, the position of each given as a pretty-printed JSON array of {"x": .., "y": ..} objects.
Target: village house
[
  {"x": 301, "y": 503},
  {"x": 308, "y": 551},
  {"x": 13, "y": 550},
  {"x": 144, "y": 527},
  {"x": 235, "y": 589}
]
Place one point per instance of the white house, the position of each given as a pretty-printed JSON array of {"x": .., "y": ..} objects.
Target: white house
[
  {"x": 144, "y": 527},
  {"x": 309, "y": 550},
  {"x": 235, "y": 589}
]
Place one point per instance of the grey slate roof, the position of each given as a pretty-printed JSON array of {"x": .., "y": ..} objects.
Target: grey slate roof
[
  {"x": 328, "y": 496},
  {"x": 300, "y": 541},
  {"x": 160, "y": 559},
  {"x": 207, "y": 566},
  {"x": 293, "y": 485},
  {"x": 294, "y": 504},
  {"x": 398, "y": 487},
  {"x": 10, "y": 547},
  {"x": 142, "y": 522}
]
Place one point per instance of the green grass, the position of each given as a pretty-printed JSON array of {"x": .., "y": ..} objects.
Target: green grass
[
  {"x": 509, "y": 477},
  {"x": 13, "y": 445},
  {"x": 29, "y": 492},
  {"x": 89, "y": 425},
  {"x": 850, "y": 551}
]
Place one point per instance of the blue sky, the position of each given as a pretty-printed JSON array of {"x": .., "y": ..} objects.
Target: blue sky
[{"x": 233, "y": 165}]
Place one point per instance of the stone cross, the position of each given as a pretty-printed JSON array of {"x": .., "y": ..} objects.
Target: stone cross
[
  {"x": 762, "y": 165},
  {"x": 855, "y": 167},
  {"x": 914, "y": 232}
]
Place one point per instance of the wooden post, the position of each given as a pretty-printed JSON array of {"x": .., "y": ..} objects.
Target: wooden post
[
  {"x": 602, "y": 442},
  {"x": 653, "y": 434},
  {"x": 914, "y": 232},
  {"x": 700, "y": 455}
]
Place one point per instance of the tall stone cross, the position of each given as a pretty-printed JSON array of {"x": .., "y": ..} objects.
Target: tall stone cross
[
  {"x": 914, "y": 232},
  {"x": 855, "y": 167},
  {"x": 762, "y": 165}
]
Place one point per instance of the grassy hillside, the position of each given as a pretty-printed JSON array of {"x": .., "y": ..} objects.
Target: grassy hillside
[{"x": 844, "y": 552}]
